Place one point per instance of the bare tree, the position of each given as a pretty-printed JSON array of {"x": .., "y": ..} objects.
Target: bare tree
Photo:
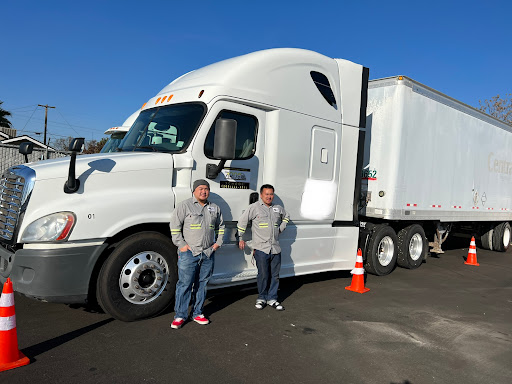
[
  {"x": 499, "y": 107},
  {"x": 91, "y": 146},
  {"x": 94, "y": 146},
  {"x": 62, "y": 143}
]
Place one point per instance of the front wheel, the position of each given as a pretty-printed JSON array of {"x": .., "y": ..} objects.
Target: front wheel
[
  {"x": 412, "y": 246},
  {"x": 382, "y": 251},
  {"x": 139, "y": 278}
]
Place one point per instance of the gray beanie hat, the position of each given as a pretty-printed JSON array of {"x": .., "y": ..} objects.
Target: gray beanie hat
[{"x": 199, "y": 182}]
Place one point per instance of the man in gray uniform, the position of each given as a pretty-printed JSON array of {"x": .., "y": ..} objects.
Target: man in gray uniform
[
  {"x": 194, "y": 225},
  {"x": 268, "y": 221}
]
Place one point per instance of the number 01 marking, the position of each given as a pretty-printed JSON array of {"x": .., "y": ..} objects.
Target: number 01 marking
[{"x": 90, "y": 216}]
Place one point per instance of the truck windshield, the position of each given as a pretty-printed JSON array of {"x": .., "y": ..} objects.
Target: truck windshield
[
  {"x": 113, "y": 142},
  {"x": 164, "y": 129}
]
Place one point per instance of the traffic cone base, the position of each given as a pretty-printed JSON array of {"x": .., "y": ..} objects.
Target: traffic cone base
[
  {"x": 471, "y": 259},
  {"x": 357, "y": 288},
  {"x": 22, "y": 360},
  {"x": 10, "y": 355},
  {"x": 357, "y": 284}
]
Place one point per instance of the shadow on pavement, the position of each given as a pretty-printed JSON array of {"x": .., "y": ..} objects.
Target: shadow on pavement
[
  {"x": 47, "y": 345},
  {"x": 224, "y": 297}
]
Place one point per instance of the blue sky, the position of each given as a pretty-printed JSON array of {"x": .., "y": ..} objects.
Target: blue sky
[{"x": 99, "y": 61}]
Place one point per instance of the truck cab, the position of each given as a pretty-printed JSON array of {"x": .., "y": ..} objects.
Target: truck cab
[{"x": 298, "y": 119}]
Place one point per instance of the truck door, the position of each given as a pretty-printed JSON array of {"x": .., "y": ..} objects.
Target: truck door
[{"x": 233, "y": 186}]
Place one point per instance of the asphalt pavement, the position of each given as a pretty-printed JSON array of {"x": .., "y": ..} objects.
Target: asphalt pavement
[{"x": 445, "y": 322}]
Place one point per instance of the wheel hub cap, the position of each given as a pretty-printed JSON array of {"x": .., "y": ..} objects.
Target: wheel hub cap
[
  {"x": 143, "y": 277},
  {"x": 416, "y": 246},
  {"x": 386, "y": 251}
]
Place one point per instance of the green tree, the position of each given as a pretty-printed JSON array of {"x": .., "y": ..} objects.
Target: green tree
[
  {"x": 4, "y": 122},
  {"x": 499, "y": 107}
]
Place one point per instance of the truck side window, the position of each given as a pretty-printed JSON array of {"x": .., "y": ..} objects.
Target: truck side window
[
  {"x": 322, "y": 83},
  {"x": 246, "y": 131}
]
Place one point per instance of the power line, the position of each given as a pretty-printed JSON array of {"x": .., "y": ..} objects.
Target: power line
[
  {"x": 29, "y": 118},
  {"x": 70, "y": 126},
  {"x": 61, "y": 123}
]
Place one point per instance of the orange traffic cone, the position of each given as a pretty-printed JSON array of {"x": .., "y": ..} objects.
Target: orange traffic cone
[
  {"x": 471, "y": 260},
  {"x": 10, "y": 356},
  {"x": 358, "y": 275}
]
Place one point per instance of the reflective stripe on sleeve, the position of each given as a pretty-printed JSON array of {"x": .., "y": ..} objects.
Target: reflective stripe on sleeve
[{"x": 241, "y": 229}]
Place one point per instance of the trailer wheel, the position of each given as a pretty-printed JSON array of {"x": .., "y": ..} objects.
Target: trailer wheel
[
  {"x": 486, "y": 239},
  {"x": 138, "y": 280},
  {"x": 501, "y": 237},
  {"x": 382, "y": 251},
  {"x": 412, "y": 246}
]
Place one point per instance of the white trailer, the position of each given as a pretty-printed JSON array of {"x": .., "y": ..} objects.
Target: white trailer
[
  {"x": 434, "y": 164},
  {"x": 300, "y": 122}
]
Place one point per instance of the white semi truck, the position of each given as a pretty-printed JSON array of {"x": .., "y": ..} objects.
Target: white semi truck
[
  {"x": 117, "y": 134},
  {"x": 389, "y": 166}
]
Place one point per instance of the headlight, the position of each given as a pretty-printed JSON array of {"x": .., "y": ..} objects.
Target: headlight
[{"x": 54, "y": 227}]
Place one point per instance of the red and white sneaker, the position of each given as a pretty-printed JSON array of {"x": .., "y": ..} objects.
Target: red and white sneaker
[
  {"x": 177, "y": 323},
  {"x": 201, "y": 320}
]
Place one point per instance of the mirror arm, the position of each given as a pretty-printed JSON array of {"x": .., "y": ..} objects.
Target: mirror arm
[
  {"x": 212, "y": 170},
  {"x": 72, "y": 184}
]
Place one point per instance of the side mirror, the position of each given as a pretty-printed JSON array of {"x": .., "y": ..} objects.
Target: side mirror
[
  {"x": 26, "y": 149},
  {"x": 223, "y": 146},
  {"x": 76, "y": 144},
  {"x": 72, "y": 185},
  {"x": 225, "y": 139}
]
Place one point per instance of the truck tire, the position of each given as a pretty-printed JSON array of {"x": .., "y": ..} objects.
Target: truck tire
[
  {"x": 381, "y": 251},
  {"x": 486, "y": 239},
  {"x": 138, "y": 280},
  {"x": 412, "y": 246},
  {"x": 501, "y": 237}
]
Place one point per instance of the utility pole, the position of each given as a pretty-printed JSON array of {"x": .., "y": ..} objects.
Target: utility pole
[{"x": 45, "y": 119}]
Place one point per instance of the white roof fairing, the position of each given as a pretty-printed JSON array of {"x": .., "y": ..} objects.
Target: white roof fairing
[{"x": 275, "y": 77}]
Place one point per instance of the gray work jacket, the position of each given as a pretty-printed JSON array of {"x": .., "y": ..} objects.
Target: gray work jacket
[
  {"x": 197, "y": 226},
  {"x": 267, "y": 224}
]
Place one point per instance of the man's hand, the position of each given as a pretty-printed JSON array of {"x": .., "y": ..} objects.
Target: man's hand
[
  {"x": 185, "y": 248},
  {"x": 241, "y": 244},
  {"x": 215, "y": 247}
]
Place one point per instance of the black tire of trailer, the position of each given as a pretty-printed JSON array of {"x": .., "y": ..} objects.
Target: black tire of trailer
[
  {"x": 108, "y": 290},
  {"x": 383, "y": 238},
  {"x": 414, "y": 236},
  {"x": 501, "y": 237},
  {"x": 486, "y": 238}
]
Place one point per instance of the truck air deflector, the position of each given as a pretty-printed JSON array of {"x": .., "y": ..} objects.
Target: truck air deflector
[{"x": 364, "y": 97}]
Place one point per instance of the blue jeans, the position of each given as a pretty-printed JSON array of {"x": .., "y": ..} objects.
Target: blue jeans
[
  {"x": 269, "y": 266},
  {"x": 193, "y": 271}
]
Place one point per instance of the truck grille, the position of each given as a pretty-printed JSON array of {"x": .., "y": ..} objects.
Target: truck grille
[{"x": 15, "y": 187}]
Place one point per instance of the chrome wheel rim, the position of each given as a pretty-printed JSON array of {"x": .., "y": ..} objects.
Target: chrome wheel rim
[
  {"x": 144, "y": 277},
  {"x": 506, "y": 237},
  {"x": 416, "y": 246},
  {"x": 386, "y": 250}
]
